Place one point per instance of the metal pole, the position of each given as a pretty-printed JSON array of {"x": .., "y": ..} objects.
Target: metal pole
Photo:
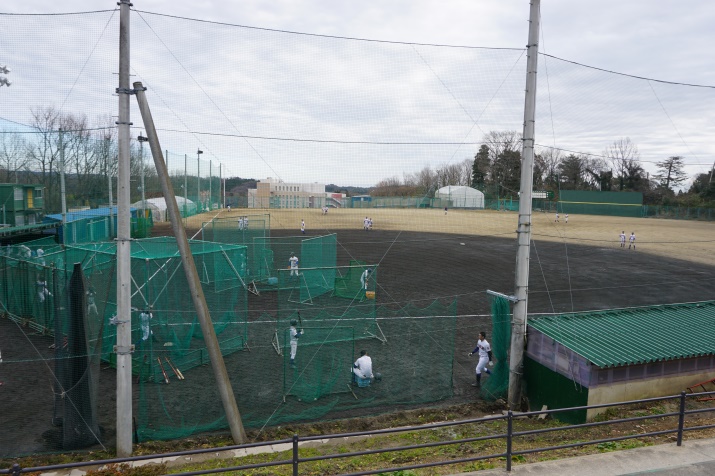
[
  {"x": 186, "y": 184},
  {"x": 211, "y": 178},
  {"x": 198, "y": 179},
  {"x": 197, "y": 295},
  {"x": 222, "y": 183},
  {"x": 518, "y": 327},
  {"x": 111, "y": 196},
  {"x": 63, "y": 195},
  {"x": 123, "y": 348},
  {"x": 141, "y": 140}
]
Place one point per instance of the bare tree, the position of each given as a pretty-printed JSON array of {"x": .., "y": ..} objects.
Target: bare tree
[
  {"x": 43, "y": 152},
  {"x": 548, "y": 159},
  {"x": 13, "y": 155},
  {"x": 625, "y": 158}
]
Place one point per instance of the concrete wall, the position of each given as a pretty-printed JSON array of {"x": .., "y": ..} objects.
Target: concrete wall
[{"x": 646, "y": 388}]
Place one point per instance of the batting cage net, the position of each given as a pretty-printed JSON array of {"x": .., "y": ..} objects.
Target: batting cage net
[{"x": 497, "y": 385}]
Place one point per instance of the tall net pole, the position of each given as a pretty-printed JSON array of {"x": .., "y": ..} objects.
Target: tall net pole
[
  {"x": 518, "y": 331},
  {"x": 124, "y": 295}
]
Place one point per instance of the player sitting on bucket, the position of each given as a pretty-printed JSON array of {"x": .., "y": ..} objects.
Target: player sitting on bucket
[{"x": 362, "y": 370}]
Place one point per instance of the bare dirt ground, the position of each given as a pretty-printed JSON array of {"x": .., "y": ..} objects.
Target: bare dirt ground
[{"x": 426, "y": 255}]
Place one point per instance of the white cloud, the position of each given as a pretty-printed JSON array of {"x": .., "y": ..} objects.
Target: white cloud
[{"x": 238, "y": 81}]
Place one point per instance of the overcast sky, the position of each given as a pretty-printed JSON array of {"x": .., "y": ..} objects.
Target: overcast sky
[{"x": 665, "y": 39}]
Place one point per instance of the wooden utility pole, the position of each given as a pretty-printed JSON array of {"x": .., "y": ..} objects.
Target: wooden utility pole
[
  {"x": 518, "y": 327},
  {"x": 192, "y": 277}
]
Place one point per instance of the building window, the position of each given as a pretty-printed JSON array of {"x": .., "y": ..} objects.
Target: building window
[
  {"x": 18, "y": 194},
  {"x": 38, "y": 193}
]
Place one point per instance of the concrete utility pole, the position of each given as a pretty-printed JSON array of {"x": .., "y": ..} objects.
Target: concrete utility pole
[
  {"x": 124, "y": 346},
  {"x": 211, "y": 179},
  {"x": 192, "y": 277},
  {"x": 518, "y": 326},
  {"x": 186, "y": 183}
]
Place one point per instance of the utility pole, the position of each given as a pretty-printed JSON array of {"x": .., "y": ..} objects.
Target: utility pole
[
  {"x": 211, "y": 178},
  {"x": 124, "y": 346},
  {"x": 192, "y": 277},
  {"x": 518, "y": 328}
]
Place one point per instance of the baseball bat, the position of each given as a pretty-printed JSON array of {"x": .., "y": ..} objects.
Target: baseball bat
[
  {"x": 166, "y": 378},
  {"x": 300, "y": 320},
  {"x": 176, "y": 370}
]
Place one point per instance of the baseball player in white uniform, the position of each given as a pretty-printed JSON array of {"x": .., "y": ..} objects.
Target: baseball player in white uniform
[
  {"x": 557, "y": 218},
  {"x": 623, "y": 239},
  {"x": 144, "y": 317},
  {"x": 364, "y": 278},
  {"x": 365, "y": 223},
  {"x": 302, "y": 226},
  {"x": 485, "y": 357},
  {"x": 294, "y": 336},
  {"x": 363, "y": 366},
  {"x": 293, "y": 260},
  {"x": 632, "y": 241}
]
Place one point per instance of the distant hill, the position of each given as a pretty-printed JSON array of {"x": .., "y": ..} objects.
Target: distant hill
[{"x": 348, "y": 190}]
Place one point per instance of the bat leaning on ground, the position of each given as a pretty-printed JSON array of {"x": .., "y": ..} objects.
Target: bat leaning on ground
[
  {"x": 166, "y": 378},
  {"x": 176, "y": 370}
]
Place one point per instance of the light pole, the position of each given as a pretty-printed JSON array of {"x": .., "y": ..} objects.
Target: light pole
[
  {"x": 141, "y": 140},
  {"x": 3, "y": 80},
  {"x": 198, "y": 177}
]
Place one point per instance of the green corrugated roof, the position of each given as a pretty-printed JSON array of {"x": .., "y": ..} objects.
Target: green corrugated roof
[{"x": 635, "y": 335}]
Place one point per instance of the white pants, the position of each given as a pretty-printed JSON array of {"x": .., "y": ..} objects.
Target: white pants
[
  {"x": 294, "y": 271},
  {"x": 293, "y": 349},
  {"x": 483, "y": 361}
]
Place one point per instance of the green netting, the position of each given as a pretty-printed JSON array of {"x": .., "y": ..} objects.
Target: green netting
[
  {"x": 322, "y": 365},
  {"x": 271, "y": 264},
  {"x": 628, "y": 204},
  {"x": 243, "y": 230},
  {"x": 350, "y": 281},
  {"x": 497, "y": 385}
]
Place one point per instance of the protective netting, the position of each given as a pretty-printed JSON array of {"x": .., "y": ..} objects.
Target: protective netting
[
  {"x": 36, "y": 292},
  {"x": 497, "y": 385}
]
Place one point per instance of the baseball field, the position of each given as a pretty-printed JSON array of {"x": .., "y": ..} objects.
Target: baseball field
[{"x": 423, "y": 255}]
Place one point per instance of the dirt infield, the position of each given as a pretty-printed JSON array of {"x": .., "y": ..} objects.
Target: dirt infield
[{"x": 425, "y": 255}]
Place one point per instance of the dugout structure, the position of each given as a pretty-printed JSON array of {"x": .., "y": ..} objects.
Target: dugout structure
[{"x": 626, "y": 204}]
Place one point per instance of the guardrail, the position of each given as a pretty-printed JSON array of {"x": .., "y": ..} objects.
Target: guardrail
[{"x": 508, "y": 437}]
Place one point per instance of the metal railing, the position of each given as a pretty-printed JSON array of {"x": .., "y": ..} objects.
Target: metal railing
[{"x": 508, "y": 437}]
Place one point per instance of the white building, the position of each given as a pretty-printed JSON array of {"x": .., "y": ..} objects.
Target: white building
[
  {"x": 274, "y": 193},
  {"x": 460, "y": 196},
  {"x": 157, "y": 206}
]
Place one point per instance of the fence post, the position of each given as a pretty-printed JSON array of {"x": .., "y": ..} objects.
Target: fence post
[
  {"x": 295, "y": 455},
  {"x": 681, "y": 418},
  {"x": 509, "y": 431},
  {"x": 16, "y": 470}
]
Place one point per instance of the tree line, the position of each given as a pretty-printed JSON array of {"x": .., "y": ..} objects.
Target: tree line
[
  {"x": 90, "y": 161},
  {"x": 496, "y": 171}
]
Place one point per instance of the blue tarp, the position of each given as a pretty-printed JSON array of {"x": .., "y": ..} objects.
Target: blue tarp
[{"x": 91, "y": 213}]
